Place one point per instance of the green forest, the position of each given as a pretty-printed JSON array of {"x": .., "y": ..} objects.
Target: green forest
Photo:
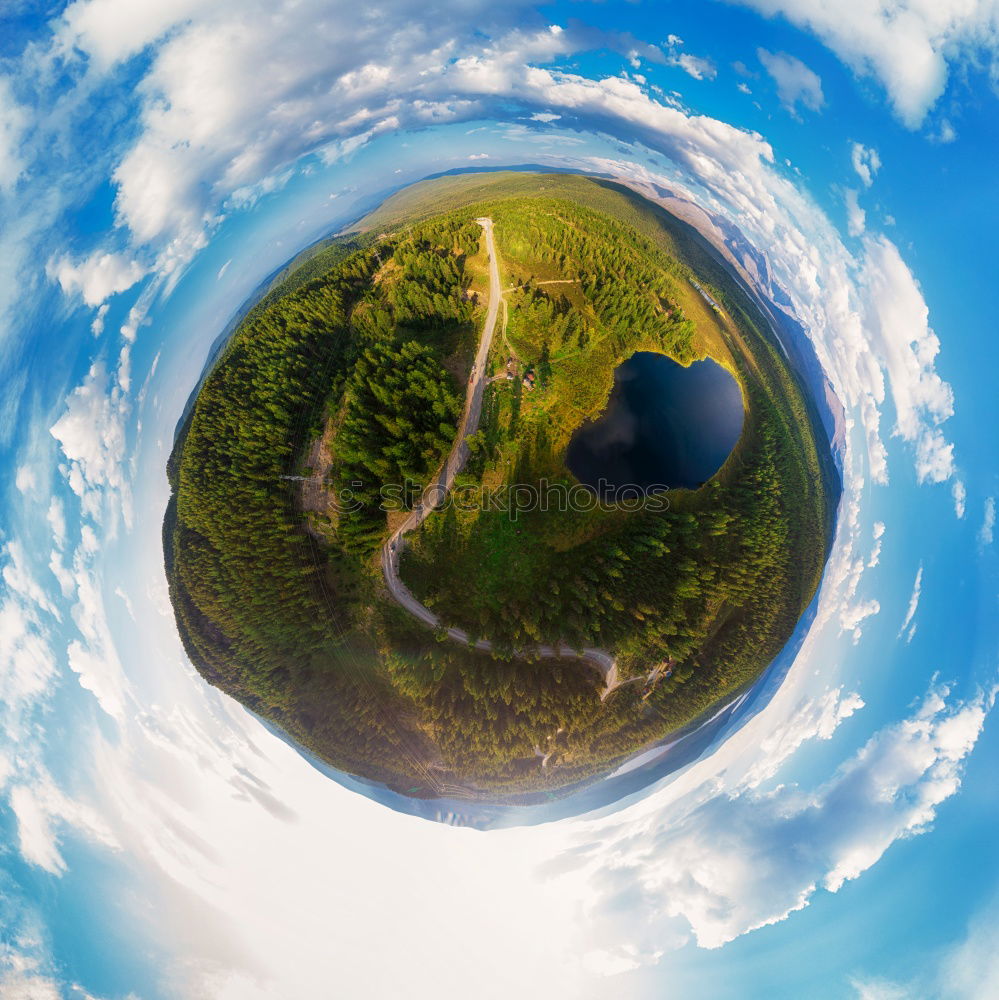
[{"x": 349, "y": 377}]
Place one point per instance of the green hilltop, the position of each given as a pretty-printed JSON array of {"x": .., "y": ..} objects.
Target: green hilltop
[{"x": 350, "y": 378}]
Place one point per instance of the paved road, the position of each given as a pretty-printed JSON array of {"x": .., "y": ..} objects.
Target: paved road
[{"x": 435, "y": 493}]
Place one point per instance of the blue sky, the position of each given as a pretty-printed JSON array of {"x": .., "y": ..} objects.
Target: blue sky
[{"x": 155, "y": 165}]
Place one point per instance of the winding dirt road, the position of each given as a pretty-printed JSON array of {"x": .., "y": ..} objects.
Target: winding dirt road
[{"x": 435, "y": 493}]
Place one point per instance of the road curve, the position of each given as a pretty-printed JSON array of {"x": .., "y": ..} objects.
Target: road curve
[{"x": 437, "y": 490}]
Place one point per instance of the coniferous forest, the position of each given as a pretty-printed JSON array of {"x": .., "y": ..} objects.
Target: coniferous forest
[{"x": 349, "y": 378}]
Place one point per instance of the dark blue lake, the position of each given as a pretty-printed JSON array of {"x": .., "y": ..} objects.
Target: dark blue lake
[{"x": 664, "y": 425}]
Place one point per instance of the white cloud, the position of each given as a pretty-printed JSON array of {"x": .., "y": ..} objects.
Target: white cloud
[
  {"x": 43, "y": 811},
  {"x": 744, "y": 87},
  {"x": 965, "y": 970},
  {"x": 96, "y": 277},
  {"x": 944, "y": 134},
  {"x": 898, "y": 326},
  {"x": 986, "y": 531},
  {"x": 37, "y": 841},
  {"x": 99, "y": 675},
  {"x": 136, "y": 317},
  {"x": 26, "y": 967},
  {"x": 478, "y": 156},
  {"x": 13, "y": 121},
  {"x": 91, "y": 434},
  {"x": 812, "y": 719},
  {"x": 545, "y": 116},
  {"x": 934, "y": 457},
  {"x": 61, "y": 572},
  {"x": 696, "y": 66},
  {"x": 97, "y": 325},
  {"x": 960, "y": 495},
  {"x": 27, "y": 666},
  {"x": 856, "y": 217},
  {"x": 24, "y": 985},
  {"x": 110, "y": 31},
  {"x": 796, "y": 83},
  {"x": 343, "y": 149},
  {"x": 250, "y": 194},
  {"x": 94, "y": 657},
  {"x": 875, "y": 556},
  {"x": 878, "y": 989},
  {"x": 18, "y": 577},
  {"x": 735, "y": 859},
  {"x": 853, "y": 616},
  {"x": 910, "y": 611},
  {"x": 25, "y": 479},
  {"x": 866, "y": 162},
  {"x": 56, "y": 517},
  {"x": 906, "y": 46},
  {"x": 126, "y": 600},
  {"x": 969, "y": 970}
]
